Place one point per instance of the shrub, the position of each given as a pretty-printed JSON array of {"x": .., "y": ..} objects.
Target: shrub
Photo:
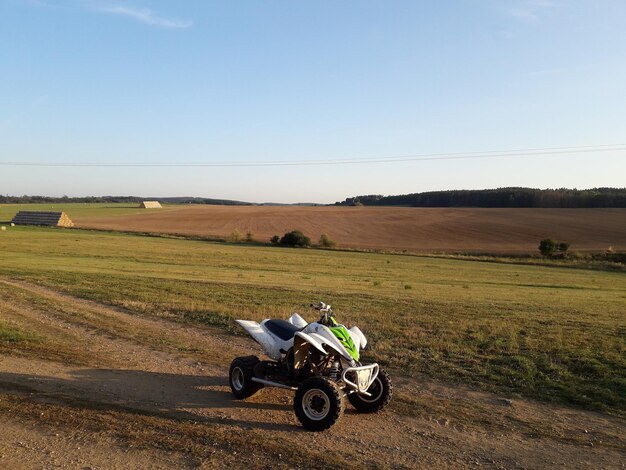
[
  {"x": 547, "y": 246},
  {"x": 248, "y": 236},
  {"x": 326, "y": 241},
  {"x": 616, "y": 257},
  {"x": 275, "y": 240},
  {"x": 576, "y": 255},
  {"x": 295, "y": 238},
  {"x": 236, "y": 236}
]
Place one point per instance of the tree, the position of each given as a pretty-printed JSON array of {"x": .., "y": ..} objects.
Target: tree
[
  {"x": 326, "y": 241},
  {"x": 249, "y": 236},
  {"x": 275, "y": 240},
  {"x": 563, "y": 247},
  {"x": 295, "y": 238},
  {"x": 547, "y": 246}
]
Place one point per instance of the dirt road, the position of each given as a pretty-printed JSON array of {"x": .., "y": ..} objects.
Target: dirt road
[{"x": 124, "y": 391}]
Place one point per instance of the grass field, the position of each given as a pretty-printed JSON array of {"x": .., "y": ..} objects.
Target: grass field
[
  {"x": 76, "y": 210},
  {"x": 556, "y": 334}
]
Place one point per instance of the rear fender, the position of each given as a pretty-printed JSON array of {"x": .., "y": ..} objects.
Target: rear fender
[
  {"x": 261, "y": 336},
  {"x": 297, "y": 320}
]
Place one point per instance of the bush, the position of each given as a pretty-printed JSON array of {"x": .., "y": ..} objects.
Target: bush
[
  {"x": 326, "y": 241},
  {"x": 295, "y": 238},
  {"x": 248, "y": 236},
  {"x": 275, "y": 240},
  {"x": 547, "y": 246},
  {"x": 616, "y": 257},
  {"x": 236, "y": 236}
]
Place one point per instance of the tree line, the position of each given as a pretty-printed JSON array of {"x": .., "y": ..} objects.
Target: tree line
[
  {"x": 500, "y": 197},
  {"x": 113, "y": 199}
]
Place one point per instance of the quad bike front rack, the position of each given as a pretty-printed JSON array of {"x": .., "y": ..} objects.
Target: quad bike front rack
[{"x": 365, "y": 376}]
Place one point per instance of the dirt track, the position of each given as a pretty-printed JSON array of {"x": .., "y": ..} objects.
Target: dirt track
[
  {"x": 177, "y": 374},
  {"x": 392, "y": 228}
]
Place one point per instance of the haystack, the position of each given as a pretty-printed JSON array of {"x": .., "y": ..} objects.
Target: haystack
[
  {"x": 150, "y": 205},
  {"x": 54, "y": 219}
]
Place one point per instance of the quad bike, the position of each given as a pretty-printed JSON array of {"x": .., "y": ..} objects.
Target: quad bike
[{"x": 319, "y": 361}]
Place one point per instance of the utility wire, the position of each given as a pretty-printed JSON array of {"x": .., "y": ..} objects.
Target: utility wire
[{"x": 532, "y": 152}]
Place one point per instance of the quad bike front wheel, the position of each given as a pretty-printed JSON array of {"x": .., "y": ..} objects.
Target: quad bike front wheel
[
  {"x": 318, "y": 403},
  {"x": 240, "y": 377},
  {"x": 380, "y": 395}
]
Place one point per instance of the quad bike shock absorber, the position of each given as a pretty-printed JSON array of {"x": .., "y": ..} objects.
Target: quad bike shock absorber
[{"x": 334, "y": 371}]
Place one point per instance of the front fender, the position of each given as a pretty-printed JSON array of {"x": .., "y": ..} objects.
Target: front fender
[
  {"x": 358, "y": 337},
  {"x": 312, "y": 341},
  {"x": 326, "y": 338},
  {"x": 337, "y": 347}
]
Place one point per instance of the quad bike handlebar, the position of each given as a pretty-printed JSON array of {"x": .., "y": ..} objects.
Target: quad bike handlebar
[
  {"x": 327, "y": 313},
  {"x": 321, "y": 306}
]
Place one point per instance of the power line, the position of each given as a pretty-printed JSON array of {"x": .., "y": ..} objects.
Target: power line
[{"x": 532, "y": 152}]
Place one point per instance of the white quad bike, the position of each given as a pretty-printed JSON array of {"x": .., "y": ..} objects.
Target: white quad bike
[{"x": 319, "y": 361}]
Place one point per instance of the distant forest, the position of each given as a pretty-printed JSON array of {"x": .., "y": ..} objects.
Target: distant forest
[
  {"x": 116, "y": 199},
  {"x": 501, "y": 197}
]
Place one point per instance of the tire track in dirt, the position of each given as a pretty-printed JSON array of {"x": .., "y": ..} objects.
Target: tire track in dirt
[{"x": 180, "y": 371}]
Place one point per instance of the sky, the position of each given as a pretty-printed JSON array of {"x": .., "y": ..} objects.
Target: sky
[{"x": 161, "y": 82}]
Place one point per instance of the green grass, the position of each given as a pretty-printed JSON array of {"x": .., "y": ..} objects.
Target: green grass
[
  {"x": 551, "y": 333},
  {"x": 10, "y": 334},
  {"x": 8, "y": 211}
]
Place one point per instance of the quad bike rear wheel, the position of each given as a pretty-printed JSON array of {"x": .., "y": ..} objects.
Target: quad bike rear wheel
[
  {"x": 240, "y": 377},
  {"x": 380, "y": 391},
  {"x": 318, "y": 403}
]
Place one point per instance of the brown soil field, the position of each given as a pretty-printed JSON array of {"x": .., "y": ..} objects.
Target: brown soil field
[
  {"x": 452, "y": 230},
  {"x": 119, "y": 390}
]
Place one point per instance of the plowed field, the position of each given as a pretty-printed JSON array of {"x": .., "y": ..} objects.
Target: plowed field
[{"x": 469, "y": 230}]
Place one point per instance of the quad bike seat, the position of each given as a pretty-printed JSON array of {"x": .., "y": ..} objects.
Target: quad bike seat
[{"x": 282, "y": 328}]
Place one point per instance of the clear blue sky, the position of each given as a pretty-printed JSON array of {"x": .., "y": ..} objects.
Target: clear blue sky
[{"x": 236, "y": 80}]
